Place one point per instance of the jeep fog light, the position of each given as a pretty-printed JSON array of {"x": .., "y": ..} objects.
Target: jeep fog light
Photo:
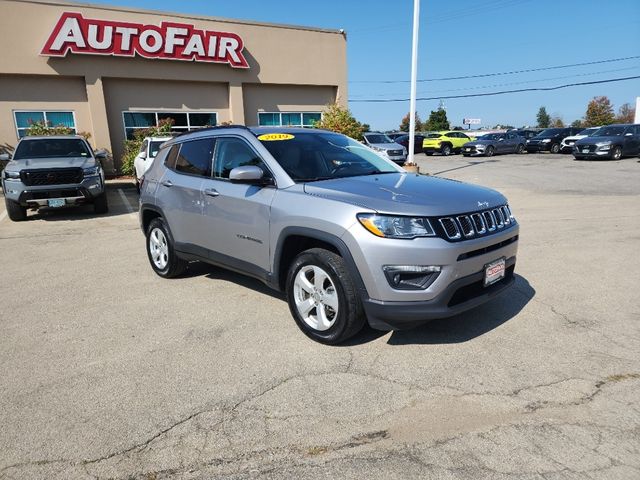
[{"x": 411, "y": 277}]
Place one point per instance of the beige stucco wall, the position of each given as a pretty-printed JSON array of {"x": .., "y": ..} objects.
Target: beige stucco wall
[
  {"x": 160, "y": 95},
  {"x": 277, "y": 56}
]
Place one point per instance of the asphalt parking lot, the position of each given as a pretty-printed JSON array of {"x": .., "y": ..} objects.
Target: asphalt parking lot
[{"x": 108, "y": 371}]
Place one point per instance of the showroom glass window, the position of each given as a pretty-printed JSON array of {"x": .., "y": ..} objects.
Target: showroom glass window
[
  {"x": 25, "y": 118},
  {"x": 182, "y": 121},
  {"x": 288, "y": 119}
]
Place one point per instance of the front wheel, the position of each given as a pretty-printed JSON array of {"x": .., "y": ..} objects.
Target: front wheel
[
  {"x": 15, "y": 211},
  {"x": 160, "y": 251},
  {"x": 323, "y": 298},
  {"x": 520, "y": 149},
  {"x": 616, "y": 153},
  {"x": 489, "y": 152},
  {"x": 555, "y": 148}
]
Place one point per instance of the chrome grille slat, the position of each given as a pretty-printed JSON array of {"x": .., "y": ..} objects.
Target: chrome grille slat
[{"x": 477, "y": 224}]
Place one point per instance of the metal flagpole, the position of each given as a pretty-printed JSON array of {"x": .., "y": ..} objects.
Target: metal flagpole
[{"x": 414, "y": 78}]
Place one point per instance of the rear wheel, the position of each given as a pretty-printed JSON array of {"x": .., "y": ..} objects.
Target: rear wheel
[
  {"x": 520, "y": 148},
  {"x": 323, "y": 298},
  {"x": 15, "y": 211},
  {"x": 490, "y": 151},
  {"x": 445, "y": 150},
  {"x": 100, "y": 204},
  {"x": 616, "y": 153},
  {"x": 160, "y": 251},
  {"x": 555, "y": 148}
]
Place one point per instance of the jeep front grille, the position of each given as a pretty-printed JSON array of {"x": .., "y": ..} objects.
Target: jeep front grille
[
  {"x": 476, "y": 224},
  {"x": 57, "y": 176}
]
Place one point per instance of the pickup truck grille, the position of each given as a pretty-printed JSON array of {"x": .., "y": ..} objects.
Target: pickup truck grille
[
  {"x": 57, "y": 176},
  {"x": 476, "y": 224},
  {"x": 394, "y": 153}
]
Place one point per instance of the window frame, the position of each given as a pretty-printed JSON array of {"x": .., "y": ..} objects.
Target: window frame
[
  {"x": 244, "y": 140},
  {"x": 279, "y": 114},
  {"x": 44, "y": 114},
  {"x": 188, "y": 128}
]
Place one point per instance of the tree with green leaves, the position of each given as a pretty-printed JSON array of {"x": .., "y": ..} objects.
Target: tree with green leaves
[
  {"x": 339, "y": 119},
  {"x": 543, "y": 118},
  {"x": 599, "y": 112},
  {"x": 437, "y": 121},
  {"x": 577, "y": 123},
  {"x": 404, "y": 125},
  {"x": 557, "y": 122}
]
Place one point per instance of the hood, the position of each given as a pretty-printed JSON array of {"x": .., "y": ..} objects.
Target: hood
[
  {"x": 387, "y": 146},
  {"x": 575, "y": 137},
  {"x": 407, "y": 194},
  {"x": 611, "y": 138},
  {"x": 46, "y": 163}
]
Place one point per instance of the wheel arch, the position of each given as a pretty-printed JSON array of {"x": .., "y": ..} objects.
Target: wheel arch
[{"x": 295, "y": 240}]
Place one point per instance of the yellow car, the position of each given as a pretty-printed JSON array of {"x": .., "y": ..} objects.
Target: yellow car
[{"x": 446, "y": 142}]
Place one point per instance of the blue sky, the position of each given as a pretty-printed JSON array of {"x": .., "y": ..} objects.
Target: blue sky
[{"x": 463, "y": 38}]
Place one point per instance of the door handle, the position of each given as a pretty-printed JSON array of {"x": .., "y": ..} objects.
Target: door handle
[
  {"x": 211, "y": 192},
  {"x": 167, "y": 183}
]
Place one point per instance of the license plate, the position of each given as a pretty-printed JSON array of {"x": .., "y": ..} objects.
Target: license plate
[
  {"x": 494, "y": 272},
  {"x": 56, "y": 202}
]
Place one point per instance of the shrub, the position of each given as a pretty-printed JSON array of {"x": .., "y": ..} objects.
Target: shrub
[{"x": 132, "y": 146}]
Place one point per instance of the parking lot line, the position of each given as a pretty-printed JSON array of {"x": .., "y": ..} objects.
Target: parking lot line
[{"x": 125, "y": 200}]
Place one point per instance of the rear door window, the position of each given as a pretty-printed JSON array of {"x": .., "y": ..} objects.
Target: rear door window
[
  {"x": 195, "y": 157},
  {"x": 172, "y": 156}
]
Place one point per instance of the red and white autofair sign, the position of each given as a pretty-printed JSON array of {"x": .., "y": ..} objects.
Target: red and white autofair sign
[{"x": 172, "y": 41}]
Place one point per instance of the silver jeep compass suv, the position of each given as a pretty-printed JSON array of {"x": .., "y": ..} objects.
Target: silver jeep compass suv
[{"x": 348, "y": 235}]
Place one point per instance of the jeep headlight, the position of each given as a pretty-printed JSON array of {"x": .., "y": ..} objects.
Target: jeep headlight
[
  {"x": 91, "y": 171},
  {"x": 388, "y": 226},
  {"x": 11, "y": 175},
  {"x": 546, "y": 140}
]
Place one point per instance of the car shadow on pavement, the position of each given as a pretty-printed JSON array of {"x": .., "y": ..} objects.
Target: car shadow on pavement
[{"x": 474, "y": 323}]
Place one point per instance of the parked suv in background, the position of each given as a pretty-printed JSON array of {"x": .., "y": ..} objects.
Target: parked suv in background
[
  {"x": 385, "y": 146},
  {"x": 567, "y": 144},
  {"x": 550, "y": 139},
  {"x": 612, "y": 141},
  {"x": 148, "y": 151},
  {"x": 444, "y": 142},
  {"x": 349, "y": 236},
  {"x": 404, "y": 141},
  {"x": 54, "y": 172}
]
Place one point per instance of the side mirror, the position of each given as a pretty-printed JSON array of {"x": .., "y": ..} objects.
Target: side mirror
[
  {"x": 5, "y": 157},
  {"x": 101, "y": 154},
  {"x": 143, "y": 154},
  {"x": 249, "y": 174}
]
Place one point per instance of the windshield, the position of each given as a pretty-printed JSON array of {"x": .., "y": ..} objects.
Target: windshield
[
  {"x": 550, "y": 132},
  {"x": 588, "y": 131},
  {"x": 51, "y": 148},
  {"x": 378, "y": 138},
  {"x": 154, "y": 147},
  {"x": 310, "y": 157},
  {"x": 608, "y": 132}
]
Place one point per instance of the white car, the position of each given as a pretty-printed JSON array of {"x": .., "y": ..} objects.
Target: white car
[
  {"x": 148, "y": 151},
  {"x": 566, "y": 146}
]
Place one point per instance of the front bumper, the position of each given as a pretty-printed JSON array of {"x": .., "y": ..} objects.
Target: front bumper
[
  {"x": 38, "y": 196},
  {"x": 538, "y": 147},
  {"x": 461, "y": 295}
]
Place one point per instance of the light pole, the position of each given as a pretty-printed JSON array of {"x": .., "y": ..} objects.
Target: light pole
[{"x": 410, "y": 163}]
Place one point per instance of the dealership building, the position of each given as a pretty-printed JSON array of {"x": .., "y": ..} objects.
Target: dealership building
[{"x": 109, "y": 71}]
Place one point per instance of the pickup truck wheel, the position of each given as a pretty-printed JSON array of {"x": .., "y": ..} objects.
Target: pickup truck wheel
[
  {"x": 323, "y": 298},
  {"x": 15, "y": 211},
  {"x": 100, "y": 204},
  {"x": 160, "y": 251},
  {"x": 555, "y": 148}
]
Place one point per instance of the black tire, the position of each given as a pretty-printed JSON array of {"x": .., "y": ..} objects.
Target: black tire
[
  {"x": 428, "y": 153},
  {"x": 578, "y": 157},
  {"x": 349, "y": 318},
  {"x": 445, "y": 150},
  {"x": 520, "y": 149},
  {"x": 489, "y": 151},
  {"x": 555, "y": 148},
  {"x": 616, "y": 153},
  {"x": 174, "y": 264},
  {"x": 15, "y": 211},
  {"x": 100, "y": 204}
]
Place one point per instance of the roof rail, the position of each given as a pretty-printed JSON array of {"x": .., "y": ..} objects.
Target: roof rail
[{"x": 217, "y": 127}]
